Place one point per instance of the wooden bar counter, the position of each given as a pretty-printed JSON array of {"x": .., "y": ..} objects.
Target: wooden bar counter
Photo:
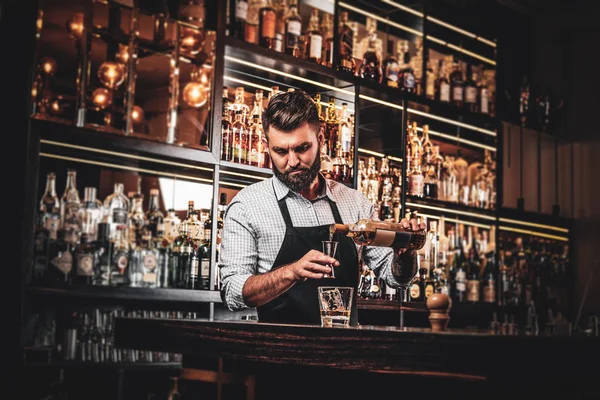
[{"x": 293, "y": 361}]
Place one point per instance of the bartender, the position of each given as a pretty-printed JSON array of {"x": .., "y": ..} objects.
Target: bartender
[{"x": 270, "y": 254}]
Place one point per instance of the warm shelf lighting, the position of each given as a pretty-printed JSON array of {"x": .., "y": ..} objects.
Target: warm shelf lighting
[
  {"x": 452, "y": 122},
  {"x": 534, "y": 233},
  {"x": 542, "y": 226},
  {"x": 384, "y": 20},
  {"x": 461, "y": 140},
  {"x": 377, "y": 154},
  {"x": 449, "y": 210},
  {"x": 385, "y": 103},
  {"x": 455, "y": 220},
  {"x": 292, "y": 76}
]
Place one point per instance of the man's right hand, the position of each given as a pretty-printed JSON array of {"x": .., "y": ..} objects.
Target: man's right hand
[{"x": 312, "y": 266}]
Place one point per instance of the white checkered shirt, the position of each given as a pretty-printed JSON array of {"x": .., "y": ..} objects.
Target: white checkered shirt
[{"x": 254, "y": 229}]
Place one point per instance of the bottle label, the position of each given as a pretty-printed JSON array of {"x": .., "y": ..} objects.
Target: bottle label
[
  {"x": 241, "y": 10},
  {"x": 63, "y": 262},
  {"x": 445, "y": 92},
  {"x": 251, "y": 33},
  {"x": 484, "y": 101},
  {"x": 346, "y": 138},
  {"x": 52, "y": 224},
  {"x": 268, "y": 24},
  {"x": 294, "y": 28},
  {"x": 409, "y": 80},
  {"x": 457, "y": 93},
  {"x": 428, "y": 290},
  {"x": 205, "y": 268},
  {"x": 489, "y": 292},
  {"x": 316, "y": 46},
  {"x": 430, "y": 88},
  {"x": 119, "y": 216},
  {"x": 461, "y": 278},
  {"x": 415, "y": 185},
  {"x": 150, "y": 262},
  {"x": 471, "y": 94},
  {"x": 473, "y": 290},
  {"x": 346, "y": 44},
  {"x": 121, "y": 261},
  {"x": 207, "y": 235},
  {"x": 415, "y": 291},
  {"x": 194, "y": 268},
  {"x": 85, "y": 264}
]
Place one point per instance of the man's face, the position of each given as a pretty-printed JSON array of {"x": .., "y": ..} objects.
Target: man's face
[{"x": 295, "y": 156}]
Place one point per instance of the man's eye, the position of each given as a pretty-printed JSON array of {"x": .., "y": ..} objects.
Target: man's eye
[
  {"x": 281, "y": 152},
  {"x": 302, "y": 149}
]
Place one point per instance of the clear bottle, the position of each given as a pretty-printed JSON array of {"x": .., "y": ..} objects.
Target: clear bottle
[
  {"x": 136, "y": 221},
  {"x": 40, "y": 250},
  {"x": 171, "y": 224},
  {"x": 116, "y": 207},
  {"x": 240, "y": 139},
  {"x": 331, "y": 127},
  {"x": 163, "y": 246},
  {"x": 416, "y": 180},
  {"x": 293, "y": 30},
  {"x": 143, "y": 270},
  {"x": 119, "y": 271},
  {"x": 227, "y": 139},
  {"x": 483, "y": 96},
  {"x": 239, "y": 104},
  {"x": 314, "y": 39},
  {"x": 255, "y": 150},
  {"x": 390, "y": 67},
  {"x": 346, "y": 44},
  {"x": 90, "y": 213},
  {"x": 345, "y": 131},
  {"x": 50, "y": 207},
  {"x": 69, "y": 202}
]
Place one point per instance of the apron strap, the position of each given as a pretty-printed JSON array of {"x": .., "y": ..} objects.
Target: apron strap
[{"x": 285, "y": 212}]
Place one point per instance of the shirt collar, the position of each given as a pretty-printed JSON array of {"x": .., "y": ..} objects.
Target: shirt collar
[{"x": 281, "y": 190}]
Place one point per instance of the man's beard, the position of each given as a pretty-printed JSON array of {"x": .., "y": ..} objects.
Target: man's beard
[{"x": 302, "y": 179}]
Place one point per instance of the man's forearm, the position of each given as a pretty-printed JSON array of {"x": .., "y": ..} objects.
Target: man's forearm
[{"x": 260, "y": 289}]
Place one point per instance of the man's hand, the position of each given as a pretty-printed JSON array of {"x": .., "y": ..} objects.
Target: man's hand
[
  {"x": 412, "y": 225},
  {"x": 312, "y": 266}
]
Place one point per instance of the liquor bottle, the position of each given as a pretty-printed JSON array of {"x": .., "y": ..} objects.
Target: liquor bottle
[
  {"x": 332, "y": 126},
  {"x": 488, "y": 281},
  {"x": 203, "y": 273},
  {"x": 314, "y": 39},
  {"x": 143, "y": 268},
  {"x": 416, "y": 180},
  {"x": 255, "y": 142},
  {"x": 430, "y": 81},
  {"x": 459, "y": 292},
  {"x": 69, "y": 202},
  {"x": 473, "y": 284},
  {"x": 154, "y": 216},
  {"x": 171, "y": 225},
  {"x": 162, "y": 245},
  {"x": 345, "y": 44},
  {"x": 390, "y": 67},
  {"x": 40, "y": 250},
  {"x": 136, "y": 220},
  {"x": 267, "y": 19},
  {"x": 179, "y": 250},
  {"x": 119, "y": 272},
  {"x": 442, "y": 85},
  {"x": 327, "y": 34},
  {"x": 429, "y": 284},
  {"x": 345, "y": 130},
  {"x": 417, "y": 287},
  {"x": 50, "y": 207},
  {"x": 457, "y": 85},
  {"x": 406, "y": 76},
  {"x": 293, "y": 30},
  {"x": 221, "y": 208},
  {"x": 238, "y": 12},
  {"x": 471, "y": 90},
  {"x": 239, "y": 104},
  {"x": 524, "y": 100},
  {"x": 60, "y": 256},
  {"x": 102, "y": 256},
  {"x": 483, "y": 95},
  {"x": 90, "y": 214},
  {"x": 226, "y": 133},
  {"x": 369, "y": 232},
  {"x": 84, "y": 261},
  {"x": 188, "y": 264},
  {"x": 281, "y": 11},
  {"x": 240, "y": 139},
  {"x": 116, "y": 207},
  {"x": 174, "y": 389},
  {"x": 430, "y": 183},
  {"x": 370, "y": 67}
]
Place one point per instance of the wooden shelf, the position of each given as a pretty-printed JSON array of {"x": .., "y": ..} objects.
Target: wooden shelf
[{"x": 460, "y": 211}]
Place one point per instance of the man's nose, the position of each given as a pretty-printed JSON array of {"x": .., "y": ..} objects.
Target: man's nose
[{"x": 293, "y": 160}]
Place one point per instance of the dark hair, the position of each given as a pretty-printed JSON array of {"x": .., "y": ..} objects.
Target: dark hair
[{"x": 288, "y": 111}]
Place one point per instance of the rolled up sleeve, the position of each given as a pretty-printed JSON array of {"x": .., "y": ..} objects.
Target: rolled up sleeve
[{"x": 238, "y": 255}]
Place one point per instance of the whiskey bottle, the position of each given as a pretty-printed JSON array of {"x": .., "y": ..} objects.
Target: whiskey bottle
[
  {"x": 482, "y": 96},
  {"x": 154, "y": 216},
  {"x": 171, "y": 225},
  {"x": 457, "y": 85},
  {"x": 162, "y": 245},
  {"x": 417, "y": 286},
  {"x": 119, "y": 271},
  {"x": 293, "y": 30},
  {"x": 143, "y": 271},
  {"x": 488, "y": 281},
  {"x": 430, "y": 183},
  {"x": 226, "y": 133},
  {"x": 267, "y": 18},
  {"x": 442, "y": 85},
  {"x": 251, "y": 31},
  {"x": 50, "y": 207},
  {"x": 314, "y": 39},
  {"x": 390, "y": 67},
  {"x": 459, "y": 290},
  {"x": 370, "y": 68},
  {"x": 471, "y": 90},
  {"x": 332, "y": 126},
  {"x": 430, "y": 81},
  {"x": 255, "y": 142},
  {"x": 40, "y": 250},
  {"x": 327, "y": 34},
  {"x": 60, "y": 256},
  {"x": 69, "y": 202},
  {"x": 346, "y": 132},
  {"x": 370, "y": 232},
  {"x": 238, "y": 11},
  {"x": 136, "y": 220},
  {"x": 175, "y": 263},
  {"x": 102, "y": 256},
  {"x": 84, "y": 261},
  {"x": 203, "y": 272},
  {"x": 345, "y": 45},
  {"x": 473, "y": 283},
  {"x": 240, "y": 139},
  {"x": 416, "y": 180}
]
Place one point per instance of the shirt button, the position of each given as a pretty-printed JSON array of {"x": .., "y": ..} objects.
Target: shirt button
[{"x": 309, "y": 205}]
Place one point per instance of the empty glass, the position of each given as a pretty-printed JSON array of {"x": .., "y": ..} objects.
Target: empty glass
[{"x": 329, "y": 249}]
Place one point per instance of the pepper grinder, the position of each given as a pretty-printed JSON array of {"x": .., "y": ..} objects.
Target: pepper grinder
[{"x": 439, "y": 305}]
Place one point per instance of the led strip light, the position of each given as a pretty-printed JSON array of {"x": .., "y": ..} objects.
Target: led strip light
[
  {"x": 534, "y": 233},
  {"x": 135, "y": 169},
  {"x": 465, "y": 213},
  {"x": 380, "y": 155},
  {"x": 452, "y": 122},
  {"x": 542, "y": 226},
  {"x": 457, "y": 139},
  {"x": 418, "y": 33},
  {"x": 456, "y": 220},
  {"x": 124, "y": 155},
  {"x": 441, "y": 23},
  {"x": 385, "y": 103},
  {"x": 299, "y": 78}
]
